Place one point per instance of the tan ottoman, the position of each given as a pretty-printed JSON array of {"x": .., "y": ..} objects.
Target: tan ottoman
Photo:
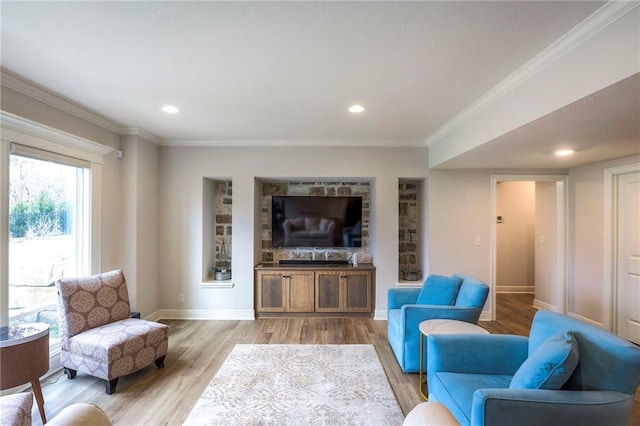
[
  {"x": 81, "y": 414},
  {"x": 430, "y": 414}
]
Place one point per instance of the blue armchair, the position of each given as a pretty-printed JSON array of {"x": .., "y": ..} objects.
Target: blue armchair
[
  {"x": 404, "y": 316},
  {"x": 472, "y": 376}
]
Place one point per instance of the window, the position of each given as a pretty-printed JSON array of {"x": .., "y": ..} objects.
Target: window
[
  {"x": 25, "y": 140},
  {"x": 48, "y": 231}
]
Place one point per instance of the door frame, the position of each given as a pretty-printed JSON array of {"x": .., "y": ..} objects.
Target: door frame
[
  {"x": 561, "y": 234},
  {"x": 610, "y": 267}
]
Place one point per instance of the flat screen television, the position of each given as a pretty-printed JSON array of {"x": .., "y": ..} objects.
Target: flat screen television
[{"x": 316, "y": 221}]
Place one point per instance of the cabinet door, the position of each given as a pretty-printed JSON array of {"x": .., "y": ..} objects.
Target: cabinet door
[
  {"x": 328, "y": 292},
  {"x": 299, "y": 291},
  {"x": 357, "y": 291},
  {"x": 271, "y": 291}
]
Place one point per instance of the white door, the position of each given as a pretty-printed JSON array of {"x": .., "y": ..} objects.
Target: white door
[{"x": 628, "y": 254}]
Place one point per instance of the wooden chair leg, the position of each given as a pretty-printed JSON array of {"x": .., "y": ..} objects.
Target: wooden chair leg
[
  {"x": 37, "y": 391},
  {"x": 111, "y": 386},
  {"x": 160, "y": 361}
]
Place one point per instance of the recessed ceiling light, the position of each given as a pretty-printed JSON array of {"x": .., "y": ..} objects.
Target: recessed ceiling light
[
  {"x": 170, "y": 109},
  {"x": 356, "y": 109},
  {"x": 564, "y": 152}
]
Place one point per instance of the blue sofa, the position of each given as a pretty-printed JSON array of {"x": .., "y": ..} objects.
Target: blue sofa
[
  {"x": 404, "y": 316},
  {"x": 471, "y": 375}
]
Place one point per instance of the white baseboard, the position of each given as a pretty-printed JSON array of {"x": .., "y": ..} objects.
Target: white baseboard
[
  {"x": 485, "y": 316},
  {"x": 587, "y": 320},
  {"x": 380, "y": 314},
  {"x": 522, "y": 289},
  {"x": 539, "y": 304},
  {"x": 203, "y": 314}
]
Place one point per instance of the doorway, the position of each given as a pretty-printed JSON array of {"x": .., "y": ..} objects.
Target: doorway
[
  {"x": 535, "y": 242},
  {"x": 622, "y": 274}
]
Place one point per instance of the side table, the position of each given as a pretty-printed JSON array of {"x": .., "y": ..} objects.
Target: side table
[
  {"x": 24, "y": 358},
  {"x": 442, "y": 326}
]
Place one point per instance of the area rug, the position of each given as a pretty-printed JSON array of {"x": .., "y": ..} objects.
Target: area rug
[{"x": 299, "y": 385}]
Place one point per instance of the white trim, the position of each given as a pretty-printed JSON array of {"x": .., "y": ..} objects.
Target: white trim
[
  {"x": 485, "y": 316},
  {"x": 585, "y": 319},
  {"x": 516, "y": 289},
  {"x": 140, "y": 132},
  {"x": 380, "y": 315},
  {"x": 561, "y": 235},
  {"x": 31, "y": 133},
  {"x": 293, "y": 142},
  {"x": 4, "y": 232},
  {"x": 205, "y": 314},
  {"x": 600, "y": 19},
  {"x": 40, "y": 94},
  {"x": 217, "y": 284},
  {"x": 609, "y": 296},
  {"x": 539, "y": 304},
  {"x": 410, "y": 284}
]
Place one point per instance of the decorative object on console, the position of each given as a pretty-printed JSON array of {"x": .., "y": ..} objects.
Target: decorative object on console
[{"x": 97, "y": 335}]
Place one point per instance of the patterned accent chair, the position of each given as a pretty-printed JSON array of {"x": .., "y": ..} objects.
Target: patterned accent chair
[{"x": 97, "y": 335}]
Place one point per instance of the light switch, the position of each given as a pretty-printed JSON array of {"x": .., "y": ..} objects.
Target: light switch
[
  {"x": 478, "y": 241},
  {"x": 541, "y": 239}
]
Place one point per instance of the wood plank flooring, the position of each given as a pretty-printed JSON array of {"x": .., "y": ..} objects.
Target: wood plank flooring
[{"x": 197, "y": 349}]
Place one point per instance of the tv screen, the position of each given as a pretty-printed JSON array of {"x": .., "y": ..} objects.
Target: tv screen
[{"x": 316, "y": 221}]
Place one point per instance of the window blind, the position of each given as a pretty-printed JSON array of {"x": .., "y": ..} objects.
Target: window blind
[{"x": 41, "y": 154}]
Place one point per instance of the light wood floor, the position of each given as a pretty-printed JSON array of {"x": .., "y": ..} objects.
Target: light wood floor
[{"x": 198, "y": 348}]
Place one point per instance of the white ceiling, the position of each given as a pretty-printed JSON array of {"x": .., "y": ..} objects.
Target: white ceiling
[{"x": 264, "y": 73}]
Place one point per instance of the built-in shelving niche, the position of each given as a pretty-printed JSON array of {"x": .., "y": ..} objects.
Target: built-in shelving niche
[
  {"x": 412, "y": 237},
  {"x": 217, "y": 202}
]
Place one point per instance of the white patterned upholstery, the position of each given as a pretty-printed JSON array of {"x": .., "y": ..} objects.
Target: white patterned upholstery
[
  {"x": 98, "y": 337},
  {"x": 15, "y": 410}
]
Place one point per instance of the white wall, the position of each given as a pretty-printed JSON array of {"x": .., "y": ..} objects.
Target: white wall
[
  {"x": 515, "y": 261},
  {"x": 586, "y": 240},
  {"x": 181, "y": 173},
  {"x": 140, "y": 222},
  {"x": 546, "y": 246}
]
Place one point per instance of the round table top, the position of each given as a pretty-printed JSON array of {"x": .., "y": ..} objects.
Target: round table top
[
  {"x": 22, "y": 333},
  {"x": 448, "y": 326}
]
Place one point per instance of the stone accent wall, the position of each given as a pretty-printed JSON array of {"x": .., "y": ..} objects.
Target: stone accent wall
[
  {"x": 313, "y": 187},
  {"x": 408, "y": 226},
  {"x": 222, "y": 201}
]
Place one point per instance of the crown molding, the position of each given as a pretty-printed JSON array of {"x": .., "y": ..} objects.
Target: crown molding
[
  {"x": 40, "y": 94},
  {"x": 140, "y": 132},
  {"x": 13, "y": 123},
  {"x": 597, "y": 21},
  {"x": 382, "y": 143}
]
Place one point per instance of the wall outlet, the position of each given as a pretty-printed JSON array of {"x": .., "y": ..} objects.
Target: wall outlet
[{"x": 180, "y": 297}]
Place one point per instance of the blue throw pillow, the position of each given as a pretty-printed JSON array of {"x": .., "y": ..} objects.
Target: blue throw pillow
[
  {"x": 550, "y": 365},
  {"x": 439, "y": 290}
]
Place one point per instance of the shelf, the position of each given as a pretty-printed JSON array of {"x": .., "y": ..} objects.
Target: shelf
[{"x": 218, "y": 284}]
